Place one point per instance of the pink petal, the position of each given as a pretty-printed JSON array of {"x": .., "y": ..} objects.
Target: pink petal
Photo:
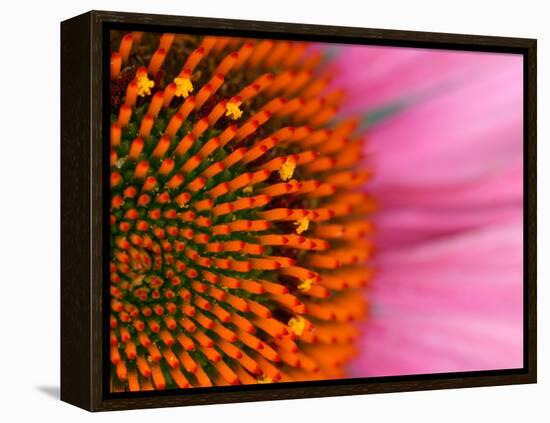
[
  {"x": 375, "y": 76},
  {"x": 448, "y": 177},
  {"x": 460, "y": 135},
  {"x": 438, "y": 308}
]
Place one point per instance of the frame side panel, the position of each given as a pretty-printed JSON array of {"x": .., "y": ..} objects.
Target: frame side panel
[
  {"x": 530, "y": 183},
  {"x": 99, "y": 190},
  {"x": 75, "y": 212}
]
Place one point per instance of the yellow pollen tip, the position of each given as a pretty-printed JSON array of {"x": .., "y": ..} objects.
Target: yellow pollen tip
[
  {"x": 264, "y": 379},
  {"x": 144, "y": 85},
  {"x": 184, "y": 86},
  {"x": 248, "y": 189},
  {"x": 297, "y": 325},
  {"x": 302, "y": 225},
  {"x": 287, "y": 169},
  {"x": 305, "y": 285},
  {"x": 233, "y": 111}
]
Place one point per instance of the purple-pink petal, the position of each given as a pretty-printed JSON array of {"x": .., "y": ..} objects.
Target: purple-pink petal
[
  {"x": 436, "y": 307},
  {"x": 448, "y": 169}
]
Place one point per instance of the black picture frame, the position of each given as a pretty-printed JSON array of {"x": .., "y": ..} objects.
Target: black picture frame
[{"x": 85, "y": 188}]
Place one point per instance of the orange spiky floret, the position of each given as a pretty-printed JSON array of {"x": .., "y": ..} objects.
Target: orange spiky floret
[{"x": 239, "y": 235}]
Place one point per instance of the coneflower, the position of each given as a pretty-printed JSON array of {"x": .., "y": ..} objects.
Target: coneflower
[{"x": 239, "y": 227}]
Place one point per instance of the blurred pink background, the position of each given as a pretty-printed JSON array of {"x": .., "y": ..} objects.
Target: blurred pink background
[{"x": 445, "y": 143}]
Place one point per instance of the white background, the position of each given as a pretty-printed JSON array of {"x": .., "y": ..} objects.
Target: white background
[{"x": 29, "y": 185}]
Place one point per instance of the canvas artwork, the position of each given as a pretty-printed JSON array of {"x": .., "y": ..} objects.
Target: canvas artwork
[{"x": 288, "y": 211}]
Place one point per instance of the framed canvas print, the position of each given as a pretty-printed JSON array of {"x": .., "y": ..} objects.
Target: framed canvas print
[{"x": 256, "y": 211}]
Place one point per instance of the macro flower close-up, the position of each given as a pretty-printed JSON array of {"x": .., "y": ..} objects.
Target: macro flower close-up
[{"x": 288, "y": 211}]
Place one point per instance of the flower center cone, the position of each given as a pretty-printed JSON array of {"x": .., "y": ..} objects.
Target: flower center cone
[{"x": 239, "y": 223}]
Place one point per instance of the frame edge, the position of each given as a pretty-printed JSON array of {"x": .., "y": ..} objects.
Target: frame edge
[
  {"x": 530, "y": 208},
  {"x": 76, "y": 233}
]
